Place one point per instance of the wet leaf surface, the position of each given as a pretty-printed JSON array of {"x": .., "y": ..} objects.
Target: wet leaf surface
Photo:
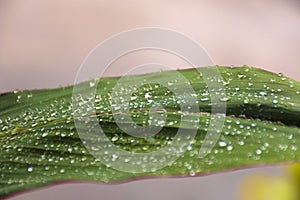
[{"x": 40, "y": 144}]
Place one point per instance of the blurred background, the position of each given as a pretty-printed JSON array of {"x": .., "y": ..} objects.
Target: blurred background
[{"x": 43, "y": 43}]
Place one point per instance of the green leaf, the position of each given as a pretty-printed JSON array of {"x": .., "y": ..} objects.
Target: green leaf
[{"x": 40, "y": 144}]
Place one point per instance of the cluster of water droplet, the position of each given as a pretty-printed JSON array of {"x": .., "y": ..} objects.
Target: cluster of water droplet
[{"x": 39, "y": 139}]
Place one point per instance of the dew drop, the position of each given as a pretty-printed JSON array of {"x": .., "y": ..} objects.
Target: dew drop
[
  {"x": 263, "y": 93},
  {"x": 44, "y": 134},
  {"x": 240, "y": 76},
  {"x": 92, "y": 84},
  {"x": 114, "y": 138},
  {"x": 170, "y": 83},
  {"x": 148, "y": 95},
  {"x": 266, "y": 144},
  {"x": 204, "y": 99},
  {"x": 114, "y": 157},
  {"x": 70, "y": 149},
  {"x": 132, "y": 98},
  {"x": 258, "y": 152},
  {"x": 145, "y": 148},
  {"x": 222, "y": 144},
  {"x": 229, "y": 148},
  {"x": 224, "y": 99},
  {"x": 34, "y": 125},
  {"x": 253, "y": 125},
  {"x": 30, "y": 169},
  {"x": 226, "y": 83},
  {"x": 246, "y": 101}
]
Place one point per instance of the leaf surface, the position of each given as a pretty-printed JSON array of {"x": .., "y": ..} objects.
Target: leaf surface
[{"x": 40, "y": 144}]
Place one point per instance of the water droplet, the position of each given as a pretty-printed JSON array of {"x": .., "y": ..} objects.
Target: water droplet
[
  {"x": 144, "y": 148},
  {"x": 114, "y": 138},
  {"x": 253, "y": 125},
  {"x": 114, "y": 157},
  {"x": 263, "y": 93},
  {"x": 258, "y": 152},
  {"x": 132, "y": 98},
  {"x": 229, "y": 148},
  {"x": 275, "y": 101},
  {"x": 240, "y": 76},
  {"x": 266, "y": 144},
  {"x": 225, "y": 83},
  {"x": 44, "y": 134},
  {"x": 34, "y": 125},
  {"x": 148, "y": 95},
  {"x": 222, "y": 144},
  {"x": 30, "y": 169},
  {"x": 170, "y": 83},
  {"x": 224, "y": 99},
  {"x": 189, "y": 147},
  {"x": 246, "y": 101},
  {"x": 204, "y": 99},
  {"x": 171, "y": 123},
  {"x": 92, "y": 83}
]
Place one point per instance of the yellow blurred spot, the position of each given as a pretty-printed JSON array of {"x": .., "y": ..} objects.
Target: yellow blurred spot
[
  {"x": 266, "y": 187},
  {"x": 294, "y": 170}
]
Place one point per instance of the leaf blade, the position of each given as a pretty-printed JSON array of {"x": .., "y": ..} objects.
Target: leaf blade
[{"x": 40, "y": 144}]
